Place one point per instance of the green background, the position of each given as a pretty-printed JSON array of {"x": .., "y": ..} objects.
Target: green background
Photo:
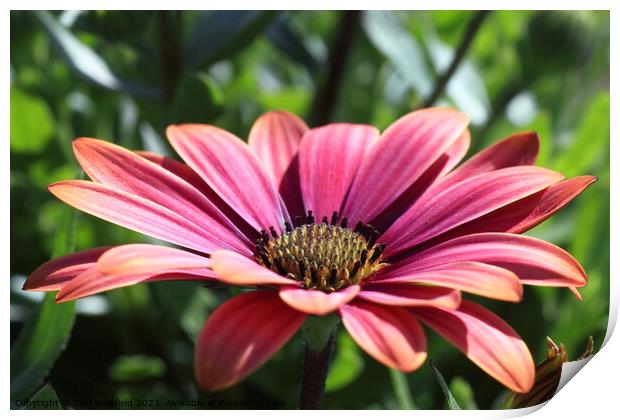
[{"x": 123, "y": 76}]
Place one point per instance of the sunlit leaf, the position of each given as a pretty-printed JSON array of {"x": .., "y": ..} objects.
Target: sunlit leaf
[
  {"x": 86, "y": 62},
  {"x": 32, "y": 123},
  {"x": 389, "y": 36},
  {"x": 466, "y": 87}
]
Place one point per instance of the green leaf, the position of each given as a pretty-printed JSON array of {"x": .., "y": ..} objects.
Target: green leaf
[
  {"x": 463, "y": 393},
  {"x": 32, "y": 123},
  {"x": 293, "y": 100},
  {"x": 220, "y": 34},
  {"x": 44, "y": 399},
  {"x": 86, "y": 62},
  {"x": 452, "y": 404},
  {"x": 542, "y": 126},
  {"x": 40, "y": 343},
  {"x": 590, "y": 141},
  {"x": 389, "y": 36},
  {"x": 197, "y": 99},
  {"x": 137, "y": 367},
  {"x": 283, "y": 37},
  {"x": 346, "y": 366},
  {"x": 45, "y": 335}
]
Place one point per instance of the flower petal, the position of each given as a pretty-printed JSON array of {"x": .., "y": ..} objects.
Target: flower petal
[
  {"x": 232, "y": 171},
  {"x": 185, "y": 172},
  {"x": 404, "y": 152},
  {"x": 275, "y": 138},
  {"x": 516, "y": 150},
  {"x": 234, "y": 268},
  {"x": 534, "y": 261},
  {"x": 455, "y": 153},
  {"x": 126, "y": 171},
  {"x": 317, "y": 302},
  {"x": 391, "y": 335},
  {"x": 473, "y": 277},
  {"x": 53, "y": 274},
  {"x": 140, "y": 258},
  {"x": 487, "y": 340},
  {"x": 463, "y": 202},
  {"x": 411, "y": 295},
  {"x": 136, "y": 213},
  {"x": 547, "y": 203},
  {"x": 181, "y": 170},
  {"x": 240, "y": 336},
  {"x": 329, "y": 158},
  {"x": 526, "y": 213},
  {"x": 94, "y": 281},
  {"x": 442, "y": 165}
]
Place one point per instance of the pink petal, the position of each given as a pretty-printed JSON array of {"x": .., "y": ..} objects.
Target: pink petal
[
  {"x": 404, "y": 152},
  {"x": 179, "y": 169},
  {"x": 185, "y": 172},
  {"x": 136, "y": 213},
  {"x": 516, "y": 150},
  {"x": 124, "y": 170},
  {"x": 526, "y": 213},
  {"x": 463, "y": 202},
  {"x": 455, "y": 153},
  {"x": 140, "y": 258},
  {"x": 317, "y": 302},
  {"x": 240, "y": 336},
  {"x": 443, "y": 164},
  {"x": 487, "y": 340},
  {"x": 473, "y": 277},
  {"x": 234, "y": 268},
  {"x": 534, "y": 261},
  {"x": 548, "y": 203},
  {"x": 329, "y": 158},
  {"x": 410, "y": 295},
  {"x": 391, "y": 335},
  {"x": 94, "y": 281},
  {"x": 275, "y": 138},
  {"x": 232, "y": 171},
  {"x": 53, "y": 274}
]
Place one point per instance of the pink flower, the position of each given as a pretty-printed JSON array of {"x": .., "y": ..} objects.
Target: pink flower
[{"x": 383, "y": 229}]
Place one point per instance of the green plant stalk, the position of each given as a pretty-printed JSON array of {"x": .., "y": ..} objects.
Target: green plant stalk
[
  {"x": 319, "y": 337},
  {"x": 401, "y": 390}
]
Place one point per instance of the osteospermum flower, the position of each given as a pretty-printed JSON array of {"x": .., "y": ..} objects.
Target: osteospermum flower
[{"x": 380, "y": 229}]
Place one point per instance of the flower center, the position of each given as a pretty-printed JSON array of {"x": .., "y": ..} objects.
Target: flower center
[{"x": 322, "y": 256}]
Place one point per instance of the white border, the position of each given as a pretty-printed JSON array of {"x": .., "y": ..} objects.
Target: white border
[{"x": 592, "y": 394}]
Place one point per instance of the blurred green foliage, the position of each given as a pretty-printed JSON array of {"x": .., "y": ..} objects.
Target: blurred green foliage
[{"x": 123, "y": 76}]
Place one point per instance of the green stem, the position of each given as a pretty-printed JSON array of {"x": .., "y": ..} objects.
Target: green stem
[
  {"x": 325, "y": 100},
  {"x": 401, "y": 389},
  {"x": 319, "y": 336},
  {"x": 468, "y": 37}
]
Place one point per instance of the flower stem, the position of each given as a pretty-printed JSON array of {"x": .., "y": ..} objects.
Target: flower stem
[
  {"x": 401, "y": 390},
  {"x": 319, "y": 336}
]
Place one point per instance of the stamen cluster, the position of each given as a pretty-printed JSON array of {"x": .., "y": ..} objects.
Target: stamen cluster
[{"x": 322, "y": 256}]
